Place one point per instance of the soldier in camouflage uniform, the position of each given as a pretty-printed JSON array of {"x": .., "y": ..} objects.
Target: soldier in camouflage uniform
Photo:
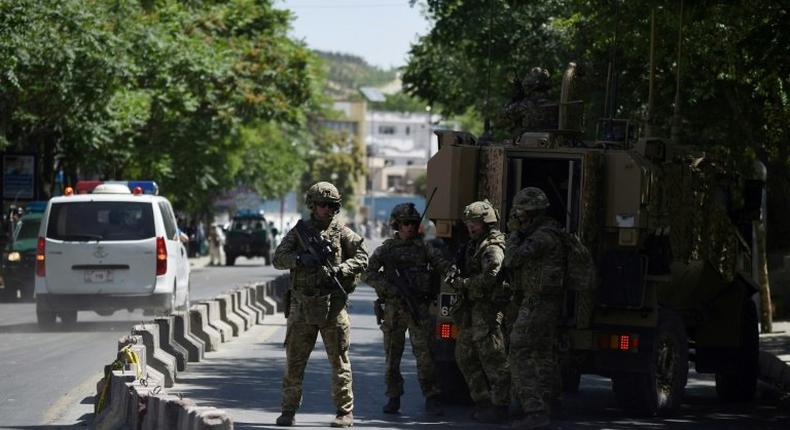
[
  {"x": 399, "y": 270},
  {"x": 316, "y": 306},
  {"x": 480, "y": 347},
  {"x": 536, "y": 259}
]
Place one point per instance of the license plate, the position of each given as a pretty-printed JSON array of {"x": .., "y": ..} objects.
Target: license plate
[{"x": 98, "y": 276}]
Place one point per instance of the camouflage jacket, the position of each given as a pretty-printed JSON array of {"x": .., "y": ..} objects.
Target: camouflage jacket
[
  {"x": 350, "y": 259},
  {"x": 536, "y": 259},
  {"x": 413, "y": 260},
  {"x": 482, "y": 264}
]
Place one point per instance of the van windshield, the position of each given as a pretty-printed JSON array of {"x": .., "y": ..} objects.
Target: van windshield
[{"x": 106, "y": 221}]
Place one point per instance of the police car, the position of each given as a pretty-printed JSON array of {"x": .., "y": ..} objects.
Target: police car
[{"x": 110, "y": 246}]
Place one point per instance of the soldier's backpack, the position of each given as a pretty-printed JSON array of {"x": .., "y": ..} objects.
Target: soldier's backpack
[{"x": 581, "y": 283}]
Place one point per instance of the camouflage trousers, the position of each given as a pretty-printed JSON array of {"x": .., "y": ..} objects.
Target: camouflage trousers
[
  {"x": 480, "y": 354},
  {"x": 396, "y": 321},
  {"x": 299, "y": 343},
  {"x": 534, "y": 361}
]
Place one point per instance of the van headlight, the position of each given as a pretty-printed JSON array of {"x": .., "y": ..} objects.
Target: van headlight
[{"x": 14, "y": 256}]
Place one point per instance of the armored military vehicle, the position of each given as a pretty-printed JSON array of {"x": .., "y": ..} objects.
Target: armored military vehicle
[{"x": 669, "y": 226}]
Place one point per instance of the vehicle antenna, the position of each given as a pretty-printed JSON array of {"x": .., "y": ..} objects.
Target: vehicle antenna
[{"x": 675, "y": 128}]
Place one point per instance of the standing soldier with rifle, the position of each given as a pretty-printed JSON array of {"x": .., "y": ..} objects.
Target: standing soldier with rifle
[
  {"x": 324, "y": 258},
  {"x": 400, "y": 271},
  {"x": 480, "y": 346}
]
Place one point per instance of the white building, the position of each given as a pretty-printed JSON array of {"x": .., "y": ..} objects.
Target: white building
[{"x": 399, "y": 145}]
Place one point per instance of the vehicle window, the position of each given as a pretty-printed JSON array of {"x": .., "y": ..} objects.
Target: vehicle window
[
  {"x": 247, "y": 224},
  {"x": 108, "y": 221},
  {"x": 27, "y": 230},
  {"x": 169, "y": 220}
]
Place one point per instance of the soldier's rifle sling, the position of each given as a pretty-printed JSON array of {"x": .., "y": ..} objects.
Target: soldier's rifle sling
[{"x": 308, "y": 240}]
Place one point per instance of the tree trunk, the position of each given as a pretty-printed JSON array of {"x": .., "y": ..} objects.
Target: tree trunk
[{"x": 766, "y": 311}]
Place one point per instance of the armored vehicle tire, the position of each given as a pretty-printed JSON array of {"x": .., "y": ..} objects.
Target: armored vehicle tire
[
  {"x": 740, "y": 384},
  {"x": 571, "y": 379},
  {"x": 660, "y": 390},
  {"x": 45, "y": 318},
  {"x": 230, "y": 260},
  {"x": 452, "y": 384},
  {"x": 267, "y": 257}
]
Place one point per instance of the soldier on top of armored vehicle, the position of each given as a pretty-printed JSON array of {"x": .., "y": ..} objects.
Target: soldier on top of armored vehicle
[{"x": 525, "y": 111}]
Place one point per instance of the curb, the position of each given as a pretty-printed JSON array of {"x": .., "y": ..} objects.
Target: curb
[{"x": 164, "y": 346}]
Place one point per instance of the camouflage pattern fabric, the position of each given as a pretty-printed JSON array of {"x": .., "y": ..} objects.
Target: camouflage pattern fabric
[
  {"x": 414, "y": 260},
  {"x": 535, "y": 255},
  {"x": 316, "y": 307},
  {"x": 480, "y": 347}
]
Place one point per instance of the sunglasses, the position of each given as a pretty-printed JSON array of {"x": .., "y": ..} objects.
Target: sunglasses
[
  {"x": 409, "y": 222},
  {"x": 328, "y": 205}
]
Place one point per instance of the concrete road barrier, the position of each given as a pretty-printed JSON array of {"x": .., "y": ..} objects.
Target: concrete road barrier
[
  {"x": 226, "y": 314},
  {"x": 160, "y": 360},
  {"x": 115, "y": 413},
  {"x": 199, "y": 327},
  {"x": 240, "y": 311},
  {"x": 168, "y": 344},
  {"x": 253, "y": 304},
  {"x": 267, "y": 302},
  {"x": 183, "y": 336},
  {"x": 215, "y": 320}
]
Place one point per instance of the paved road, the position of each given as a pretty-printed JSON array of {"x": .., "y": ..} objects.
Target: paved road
[
  {"x": 48, "y": 377},
  {"x": 244, "y": 378}
]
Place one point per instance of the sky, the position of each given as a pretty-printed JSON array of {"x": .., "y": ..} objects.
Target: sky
[{"x": 380, "y": 31}]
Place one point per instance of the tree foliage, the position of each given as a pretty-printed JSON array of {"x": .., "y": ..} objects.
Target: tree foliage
[
  {"x": 199, "y": 95},
  {"x": 734, "y": 67}
]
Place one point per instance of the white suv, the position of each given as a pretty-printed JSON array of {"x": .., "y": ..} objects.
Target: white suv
[{"x": 109, "y": 250}]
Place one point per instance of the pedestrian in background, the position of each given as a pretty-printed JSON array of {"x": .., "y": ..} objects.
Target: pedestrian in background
[
  {"x": 216, "y": 240},
  {"x": 317, "y": 305},
  {"x": 480, "y": 347},
  {"x": 400, "y": 272},
  {"x": 536, "y": 259}
]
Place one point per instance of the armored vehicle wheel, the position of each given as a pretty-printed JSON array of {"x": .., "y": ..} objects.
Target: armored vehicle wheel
[
  {"x": 739, "y": 382},
  {"x": 571, "y": 379},
  {"x": 267, "y": 257},
  {"x": 230, "y": 260},
  {"x": 452, "y": 384},
  {"x": 660, "y": 390},
  {"x": 45, "y": 318}
]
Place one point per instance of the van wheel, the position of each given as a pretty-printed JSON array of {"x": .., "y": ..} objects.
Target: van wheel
[
  {"x": 740, "y": 383},
  {"x": 45, "y": 318},
  {"x": 68, "y": 318},
  {"x": 659, "y": 391},
  {"x": 230, "y": 259}
]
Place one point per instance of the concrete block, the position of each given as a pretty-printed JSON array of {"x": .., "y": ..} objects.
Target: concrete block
[
  {"x": 215, "y": 320},
  {"x": 139, "y": 405},
  {"x": 253, "y": 304},
  {"x": 115, "y": 413},
  {"x": 239, "y": 310},
  {"x": 135, "y": 343},
  {"x": 216, "y": 419},
  {"x": 183, "y": 336},
  {"x": 226, "y": 314},
  {"x": 168, "y": 344},
  {"x": 155, "y": 357},
  {"x": 199, "y": 327},
  {"x": 175, "y": 410},
  {"x": 267, "y": 302},
  {"x": 187, "y": 417}
]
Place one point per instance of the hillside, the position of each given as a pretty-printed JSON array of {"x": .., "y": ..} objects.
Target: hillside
[{"x": 346, "y": 73}]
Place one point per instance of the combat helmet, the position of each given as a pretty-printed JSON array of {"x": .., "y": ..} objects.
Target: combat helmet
[
  {"x": 481, "y": 211},
  {"x": 403, "y": 212},
  {"x": 322, "y": 192},
  {"x": 530, "y": 199}
]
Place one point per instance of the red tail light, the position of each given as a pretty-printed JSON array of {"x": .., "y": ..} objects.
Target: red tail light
[
  {"x": 41, "y": 266},
  {"x": 161, "y": 256},
  {"x": 446, "y": 331}
]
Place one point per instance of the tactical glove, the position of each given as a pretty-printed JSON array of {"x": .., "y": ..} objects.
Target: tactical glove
[{"x": 308, "y": 261}]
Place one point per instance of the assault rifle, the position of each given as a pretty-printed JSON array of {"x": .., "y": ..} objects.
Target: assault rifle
[
  {"x": 312, "y": 243},
  {"x": 403, "y": 291}
]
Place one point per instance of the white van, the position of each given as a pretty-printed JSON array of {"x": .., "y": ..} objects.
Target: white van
[{"x": 108, "y": 250}]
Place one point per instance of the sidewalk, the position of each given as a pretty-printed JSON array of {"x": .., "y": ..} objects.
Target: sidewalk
[{"x": 775, "y": 356}]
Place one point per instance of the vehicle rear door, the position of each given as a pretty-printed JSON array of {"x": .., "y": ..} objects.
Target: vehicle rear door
[{"x": 101, "y": 246}]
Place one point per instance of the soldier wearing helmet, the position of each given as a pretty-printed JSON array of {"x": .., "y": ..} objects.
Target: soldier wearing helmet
[
  {"x": 536, "y": 259},
  {"x": 399, "y": 271},
  {"x": 316, "y": 306},
  {"x": 480, "y": 348}
]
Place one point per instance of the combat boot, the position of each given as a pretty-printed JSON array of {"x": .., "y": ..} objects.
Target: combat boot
[
  {"x": 532, "y": 421},
  {"x": 433, "y": 406},
  {"x": 494, "y": 414},
  {"x": 343, "y": 420},
  {"x": 287, "y": 419},
  {"x": 392, "y": 406}
]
